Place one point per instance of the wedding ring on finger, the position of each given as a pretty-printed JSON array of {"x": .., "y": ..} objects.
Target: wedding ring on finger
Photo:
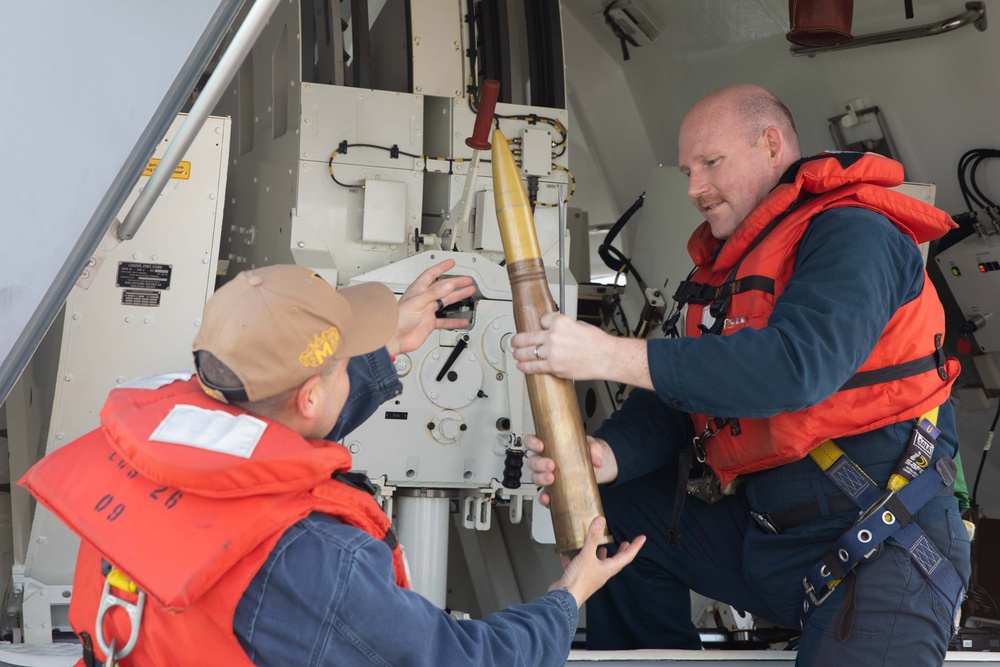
[{"x": 537, "y": 354}]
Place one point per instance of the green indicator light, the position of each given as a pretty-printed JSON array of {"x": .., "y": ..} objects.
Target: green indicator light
[{"x": 955, "y": 271}]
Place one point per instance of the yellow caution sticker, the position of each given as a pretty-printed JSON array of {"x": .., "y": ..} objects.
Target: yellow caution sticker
[{"x": 183, "y": 170}]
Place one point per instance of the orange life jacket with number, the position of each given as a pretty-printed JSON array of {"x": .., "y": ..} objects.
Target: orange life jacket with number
[
  {"x": 190, "y": 527},
  {"x": 739, "y": 281}
]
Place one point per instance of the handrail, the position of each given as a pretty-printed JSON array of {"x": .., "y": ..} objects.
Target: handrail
[
  {"x": 975, "y": 13},
  {"x": 225, "y": 70}
]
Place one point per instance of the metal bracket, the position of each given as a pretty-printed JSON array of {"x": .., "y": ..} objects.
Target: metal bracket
[
  {"x": 477, "y": 507},
  {"x": 384, "y": 495},
  {"x": 37, "y": 601},
  {"x": 975, "y": 13}
]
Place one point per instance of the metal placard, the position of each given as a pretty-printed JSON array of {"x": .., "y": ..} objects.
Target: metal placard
[
  {"x": 142, "y": 275},
  {"x": 141, "y": 297}
]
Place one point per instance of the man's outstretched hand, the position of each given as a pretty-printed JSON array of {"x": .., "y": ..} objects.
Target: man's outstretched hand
[{"x": 420, "y": 303}]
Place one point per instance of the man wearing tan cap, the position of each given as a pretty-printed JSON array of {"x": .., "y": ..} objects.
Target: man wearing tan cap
[{"x": 219, "y": 527}]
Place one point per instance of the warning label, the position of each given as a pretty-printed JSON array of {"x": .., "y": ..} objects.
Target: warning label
[
  {"x": 140, "y": 275},
  {"x": 182, "y": 171}
]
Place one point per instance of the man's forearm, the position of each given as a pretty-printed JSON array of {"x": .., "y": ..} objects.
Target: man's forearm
[{"x": 624, "y": 360}]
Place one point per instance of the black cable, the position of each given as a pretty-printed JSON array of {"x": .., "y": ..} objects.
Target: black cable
[
  {"x": 974, "y": 197},
  {"x": 471, "y": 53},
  {"x": 392, "y": 150},
  {"x": 534, "y": 119},
  {"x": 613, "y": 258},
  {"x": 358, "y": 186},
  {"x": 611, "y": 397},
  {"x": 982, "y": 597},
  {"x": 982, "y": 461},
  {"x": 963, "y": 163},
  {"x": 983, "y": 155},
  {"x": 394, "y": 153}
]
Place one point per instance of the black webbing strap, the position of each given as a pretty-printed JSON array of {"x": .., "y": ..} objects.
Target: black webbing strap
[
  {"x": 89, "y": 660},
  {"x": 360, "y": 481},
  {"x": 700, "y": 293},
  {"x": 720, "y": 304},
  {"x": 934, "y": 360},
  {"x": 684, "y": 462}
]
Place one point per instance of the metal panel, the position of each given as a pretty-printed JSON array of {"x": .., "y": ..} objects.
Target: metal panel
[
  {"x": 332, "y": 114},
  {"x": 102, "y": 113},
  {"x": 438, "y": 60},
  {"x": 385, "y": 212},
  {"x": 137, "y": 317}
]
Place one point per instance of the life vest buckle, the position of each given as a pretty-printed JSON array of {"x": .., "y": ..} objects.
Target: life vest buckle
[{"x": 133, "y": 609}]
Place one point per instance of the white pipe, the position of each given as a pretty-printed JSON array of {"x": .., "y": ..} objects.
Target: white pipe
[{"x": 422, "y": 528}]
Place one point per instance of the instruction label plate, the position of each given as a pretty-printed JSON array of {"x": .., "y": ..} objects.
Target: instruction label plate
[{"x": 141, "y": 297}]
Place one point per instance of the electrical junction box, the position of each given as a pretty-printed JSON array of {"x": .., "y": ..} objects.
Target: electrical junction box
[
  {"x": 971, "y": 269},
  {"x": 384, "y": 217},
  {"x": 536, "y": 152}
]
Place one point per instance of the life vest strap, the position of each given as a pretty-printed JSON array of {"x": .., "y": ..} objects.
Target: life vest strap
[
  {"x": 701, "y": 293},
  {"x": 360, "y": 481},
  {"x": 934, "y": 360}
]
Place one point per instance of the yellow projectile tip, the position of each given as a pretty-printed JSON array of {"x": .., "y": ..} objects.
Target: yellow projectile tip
[{"x": 517, "y": 226}]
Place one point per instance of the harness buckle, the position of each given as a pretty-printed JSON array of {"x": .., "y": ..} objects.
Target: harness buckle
[
  {"x": 875, "y": 508},
  {"x": 811, "y": 592},
  {"x": 133, "y": 609}
]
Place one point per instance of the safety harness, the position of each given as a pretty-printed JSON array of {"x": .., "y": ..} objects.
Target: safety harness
[{"x": 886, "y": 515}]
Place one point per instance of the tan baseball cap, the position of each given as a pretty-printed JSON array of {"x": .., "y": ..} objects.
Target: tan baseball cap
[{"x": 277, "y": 326}]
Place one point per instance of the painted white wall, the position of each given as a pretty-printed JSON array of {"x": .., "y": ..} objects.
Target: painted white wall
[
  {"x": 610, "y": 145},
  {"x": 939, "y": 96}
]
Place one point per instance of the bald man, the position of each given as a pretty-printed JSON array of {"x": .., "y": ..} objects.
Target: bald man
[{"x": 808, "y": 370}]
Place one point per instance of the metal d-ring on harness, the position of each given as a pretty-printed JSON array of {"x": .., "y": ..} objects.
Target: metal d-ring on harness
[
  {"x": 116, "y": 579},
  {"x": 885, "y": 514}
]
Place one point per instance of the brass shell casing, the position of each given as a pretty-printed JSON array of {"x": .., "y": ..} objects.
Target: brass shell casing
[{"x": 574, "y": 497}]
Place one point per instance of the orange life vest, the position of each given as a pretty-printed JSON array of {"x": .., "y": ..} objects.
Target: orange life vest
[
  {"x": 190, "y": 527},
  {"x": 737, "y": 276}
]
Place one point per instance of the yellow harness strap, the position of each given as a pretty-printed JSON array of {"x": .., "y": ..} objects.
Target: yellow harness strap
[{"x": 827, "y": 453}]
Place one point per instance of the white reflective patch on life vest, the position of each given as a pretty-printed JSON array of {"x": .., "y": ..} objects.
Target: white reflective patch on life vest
[
  {"x": 156, "y": 381},
  {"x": 213, "y": 430},
  {"x": 706, "y": 318}
]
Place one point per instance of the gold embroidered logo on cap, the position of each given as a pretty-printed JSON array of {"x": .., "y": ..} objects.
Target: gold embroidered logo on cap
[{"x": 323, "y": 346}]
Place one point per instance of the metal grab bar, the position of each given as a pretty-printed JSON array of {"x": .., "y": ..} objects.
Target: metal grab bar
[
  {"x": 224, "y": 72},
  {"x": 975, "y": 13}
]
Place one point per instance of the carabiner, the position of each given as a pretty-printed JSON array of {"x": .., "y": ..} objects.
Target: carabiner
[
  {"x": 699, "y": 440},
  {"x": 699, "y": 449}
]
